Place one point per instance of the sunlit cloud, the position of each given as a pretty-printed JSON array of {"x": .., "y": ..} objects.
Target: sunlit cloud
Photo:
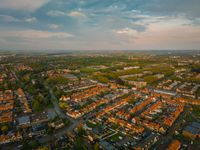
[
  {"x": 34, "y": 34},
  {"x": 22, "y": 5},
  {"x": 76, "y": 14},
  {"x": 105, "y": 24},
  {"x": 56, "y": 13},
  {"x": 54, "y": 26},
  {"x": 31, "y": 19},
  {"x": 7, "y": 18}
]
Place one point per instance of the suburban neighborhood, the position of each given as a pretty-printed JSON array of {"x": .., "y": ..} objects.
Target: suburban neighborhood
[{"x": 96, "y": 101}]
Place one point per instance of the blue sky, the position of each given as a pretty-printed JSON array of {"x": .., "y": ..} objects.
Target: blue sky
[{"x": 99, "y": 24}]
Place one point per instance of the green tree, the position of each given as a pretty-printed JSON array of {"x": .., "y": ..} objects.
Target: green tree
[
  {"x": 4, "y": 128},
  {"x": 96, "y": 146},
  {"x": 36, "y": 106}
]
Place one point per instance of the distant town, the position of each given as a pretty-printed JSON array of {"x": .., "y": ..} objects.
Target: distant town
[{"x": 76, "y": 100}]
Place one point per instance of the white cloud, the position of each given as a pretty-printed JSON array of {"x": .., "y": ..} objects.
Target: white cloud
[
  {"x": 8, "y": 18},
  {"x": 76, "y": 14},
  {"x": 127, "y": 31},
  {"x": 22, "y": 5},
  {"x": 56, "y": 13},
  {"x": 32, "y": 19},
  {"x": 174, "y": 33},
  {"x": 54, "y": 26},
  {"x": 34, "y": 34}
]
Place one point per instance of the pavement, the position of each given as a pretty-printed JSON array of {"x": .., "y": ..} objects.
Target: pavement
[
  {"x": 66, "y": 130},
  {"x": 61, "y": 114}
]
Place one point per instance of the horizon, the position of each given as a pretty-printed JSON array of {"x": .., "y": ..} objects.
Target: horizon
[{"x": 98, "y": 50}]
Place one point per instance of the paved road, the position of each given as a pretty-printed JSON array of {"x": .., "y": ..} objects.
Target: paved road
[
  {"x": 60, "y": 113},
  {"x": 54, "y": 101},
  {"x": 68, "y": 129},
  {"x": 171, "y": 131}
]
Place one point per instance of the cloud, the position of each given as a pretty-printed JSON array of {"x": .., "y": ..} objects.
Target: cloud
[
  {"x": 171, "y": 7},
  {"x": 22, "y": 5},
  {"x": 30, "y": 20},
  {"x": 34, "y": 34},
  {"x": 106, "y": 24},
  {"x": 76, "y": 14},
  {"x": 172, "y": 33},
  {"x": 56, "y": 13},
  {"x": 54, "y": 26},
  {"x": 8, "y": 18},
  {"x": 127, "y": 31}
]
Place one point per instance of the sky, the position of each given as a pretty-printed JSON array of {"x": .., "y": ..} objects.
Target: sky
[{"x": 99, "y": 24}]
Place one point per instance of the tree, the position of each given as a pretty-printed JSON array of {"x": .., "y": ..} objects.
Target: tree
[
  {"x": 120, "y": 81},
  {"x": 39, "y": 98},
  {"x": 150, "y": 79},
  {"x": 36, "y": 106},
  {"x": 57, "y": 80},
  {"x": 43, "y": 148},
  {"x": 102, "y": 79},
  {"x": 4, "y": 128},
  {"x": 81, "y": 131},
  {"x": 96, "y": 146},
  {"x": 195, "y": 68},
  {"x": 133, "y": 101},
  {"x": 87, "y": 70},
  {"x": 63, "y": 105}
]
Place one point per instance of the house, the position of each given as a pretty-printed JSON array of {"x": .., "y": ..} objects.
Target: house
[
  {"x": 174, "y": 145},
  {"x": 57, "y": 125},
  {"x": 6, "y": 106},
  {"x": 192, "y": 131},
  {"x": 132, "y": 67},
  {"x": 24, "y": 101},
  {"x": 71, "y": 77},
  {"x": 188, "y": 101},
  {"x": 38, "y": 130},
  {"x": 122, "y": 123},
  {"x": 106, "y": 146},
  {"x": 64, "y": 98},
  {"x": 10, "y": 137},
  {"x": 39, "y": 118},
  {"x": 138, "y": 84},
  {"x": 51, "y": 114},
  {"x": 24, "y": 121},
  {"x": 147, "y": 142}
]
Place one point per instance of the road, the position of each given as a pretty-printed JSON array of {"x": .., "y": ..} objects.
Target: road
[
  {"x": 73, "y": 122},
  {"x": 66, "y": 130},
  {"x": 54, "y": 101},
  {"x": 170, "y": 132},
  {"x": 60, "y": 113}
]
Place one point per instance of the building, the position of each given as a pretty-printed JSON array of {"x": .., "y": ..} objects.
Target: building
[
  {"x": 106, "y": 146},
  {"x": 57, "y": 125},
  {"x": 39, "y": 118},
  {"x": 138, "y": 84},
  {"x": 6, "y": 106},
  {"x": 147, "y": 142},
  {"x": 24, "y": 101},
  {"x": 11, "y": 137},
  {"x": 174, "y": 145},
  {"x": 24, "y": 121},
  {"x": 38, "y": 130},
  {"x": 192, "y": 131}
]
